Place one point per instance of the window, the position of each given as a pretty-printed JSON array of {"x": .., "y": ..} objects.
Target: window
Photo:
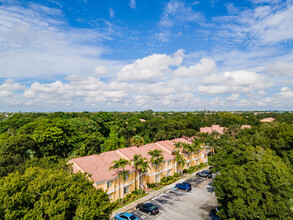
[
  {"x": 169, "y": 162},
  {"x": 168, "y": 173},
  {"x": 126, "y": 189},
  {"x": 187, "y": 165},
  {"x": 157, "y": 178},
  {"x": 109, "y": 184},
  {"x": 188, "y": 156},
  {"x": 126, "y": 177}
]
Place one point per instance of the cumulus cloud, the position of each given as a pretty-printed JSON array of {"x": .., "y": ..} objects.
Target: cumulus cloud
[
  {"x": 234, "y": 82},
  {"x": 8, "y": 88},
  {"x": 233, "y": 97},
  {"x": 150, "y": 67},
  {"x": 280, "y": 68},
  {"x": 204, "y": 67},
  {"x": 100, "y": 70}
]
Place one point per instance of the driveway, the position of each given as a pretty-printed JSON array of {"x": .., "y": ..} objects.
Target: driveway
[{"x": 178, "y": 204}]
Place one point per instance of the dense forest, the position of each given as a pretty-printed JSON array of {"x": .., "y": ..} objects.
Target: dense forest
[{"x": 255, "y": 164}]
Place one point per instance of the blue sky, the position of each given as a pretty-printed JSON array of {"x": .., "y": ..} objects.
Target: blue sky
[{"x": 127, "y": 55}]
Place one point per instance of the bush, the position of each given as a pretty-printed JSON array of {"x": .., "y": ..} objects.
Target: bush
[
  {"x": 176, "y": 175},
  {"x": 151, "y": 185},
  {"x": 164, "y": 180}
]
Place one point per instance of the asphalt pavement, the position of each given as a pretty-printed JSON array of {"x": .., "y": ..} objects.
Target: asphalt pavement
[{"x": 178, "y": 204}]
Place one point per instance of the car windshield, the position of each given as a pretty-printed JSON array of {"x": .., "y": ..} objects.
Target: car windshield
[
  {"x": 132, "y": 217},
  {"x": 153, "y": 207}
]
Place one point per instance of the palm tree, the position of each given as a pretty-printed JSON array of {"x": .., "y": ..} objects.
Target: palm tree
[
  {"x": 136, "y": 163},
  {"x": 118, "y": 165},
  {"x": 141, "y": 165},
  {"x": 185, "y": 147},
  {"x": 196, "y": 145},
  {"x": 179, "y": 159},
  {"x": 156, "y": 157}
]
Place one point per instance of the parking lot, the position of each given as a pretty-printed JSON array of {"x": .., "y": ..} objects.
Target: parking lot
[{"x": 178, "y": 204}]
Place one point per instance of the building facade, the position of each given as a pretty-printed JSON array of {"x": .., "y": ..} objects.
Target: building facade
[{"x": 98, "y": 167}]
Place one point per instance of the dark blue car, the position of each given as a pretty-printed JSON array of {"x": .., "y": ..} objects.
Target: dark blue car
[
  {"x": 148, "y": 208},
  {"x": 184, "y": 186}
]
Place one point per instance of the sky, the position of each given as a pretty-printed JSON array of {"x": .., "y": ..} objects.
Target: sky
[{"x": 133, "y": 55}]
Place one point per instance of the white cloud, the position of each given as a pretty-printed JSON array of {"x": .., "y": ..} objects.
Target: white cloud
[
  {"x": 36, "y": 42},
  {"x": 178, "y": 13},
  {"x": 204, "y": 67},
  {"x": 150, "y": 67},
  {"x": 263, "y": 25},
  {"x": 234, "y": 82},
  {"x": 280, "y": 68},
  {"x": 8, "y": 88},
  {"x": 132, "y": 4},
  {"x": 100, "y": 70},
  {"x": 233, "y": 97},
  {"x": 275, "y": 27}
]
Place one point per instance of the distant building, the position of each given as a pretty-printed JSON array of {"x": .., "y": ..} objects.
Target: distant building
[
  {"x": 213, "y": 128},
  {"x": 270, "y": 119},
  {"x": 245, "y": 126}
]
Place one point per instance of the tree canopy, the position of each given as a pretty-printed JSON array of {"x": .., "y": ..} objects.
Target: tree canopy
[{"x": 51, "y": 194}]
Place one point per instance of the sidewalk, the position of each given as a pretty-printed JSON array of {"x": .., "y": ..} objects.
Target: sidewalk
[{"x": 154, "y": 194}]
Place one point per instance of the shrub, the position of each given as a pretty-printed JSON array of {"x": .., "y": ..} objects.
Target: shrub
[
  {"x": 176, "y": 175},
  {"x": 151, "y": 185},
  {"x": 164, "y": 180}
]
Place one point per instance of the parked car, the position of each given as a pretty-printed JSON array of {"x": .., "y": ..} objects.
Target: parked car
[
  {"x": 184, "y": 186},
  {"x": 205, "y": 173},
  {"x": 148, "y": 208},
  {"x": 125, "y": 216}
]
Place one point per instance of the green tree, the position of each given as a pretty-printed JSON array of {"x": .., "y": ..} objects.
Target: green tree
[
  {"x": 119, "y": 166},
  {"x": 51, "y": 194},
  {"x": 137, "y": 141},
  {"x": 179, "y": 160},
  {"x": 260, "y": 189},
  {"x": 14, "y": 152},
  {"x": 141, "y": 165},
  {"x": 156, "y": 157}
]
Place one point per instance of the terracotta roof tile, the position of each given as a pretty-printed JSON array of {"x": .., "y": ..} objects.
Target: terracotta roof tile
[
  {"x": 245, "y": 126},
  {"x": 95, "y": 166}
]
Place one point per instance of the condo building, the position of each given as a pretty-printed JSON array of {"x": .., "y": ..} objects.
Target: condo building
[{"x": 98, "y": 167}]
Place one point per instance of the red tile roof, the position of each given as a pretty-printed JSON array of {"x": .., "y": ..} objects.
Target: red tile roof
[
  {"x": 98, "y": 165},
  {"x": 143, "y": 150},
  {"x": 95, "y": 166},
  {"x": 245, "y": 126},
  {"x": 213, "y": 128},
  {"x": 269, "y": 119}
]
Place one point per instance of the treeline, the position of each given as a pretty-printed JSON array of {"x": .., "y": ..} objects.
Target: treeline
[
  {"x": 255, "y": 172},
  {"x": 37, "y": 144},
  {"x": 48, "y": 138}
]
